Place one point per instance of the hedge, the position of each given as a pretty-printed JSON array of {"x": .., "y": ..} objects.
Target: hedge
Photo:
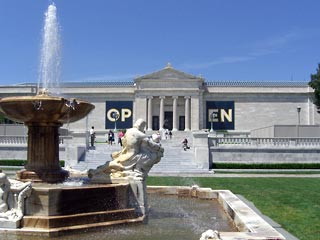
[{"x": 14, "y": 162}]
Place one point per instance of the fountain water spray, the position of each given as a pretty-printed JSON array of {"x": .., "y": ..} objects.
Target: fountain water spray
[
  {"x": 45, "y": 113},
  {"x": 49, "y": 72}
]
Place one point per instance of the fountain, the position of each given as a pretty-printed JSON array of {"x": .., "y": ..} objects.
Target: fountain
[
  {"x": 44, "y": 113},
  {"x": 40, "y": 203},
  {"x": 115, "y": 193}
]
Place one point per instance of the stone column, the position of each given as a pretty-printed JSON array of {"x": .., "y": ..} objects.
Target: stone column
[
  {"x": 187, "y": 113},
  {"x": 149, "y": 121},
  {"x": 195, "y": 116},
  {"x": 43, "y": 154},
  {"x": 140, "y": 108},
  {"x": 175, "y": 113},
  {"x": 161, "y": 115}
]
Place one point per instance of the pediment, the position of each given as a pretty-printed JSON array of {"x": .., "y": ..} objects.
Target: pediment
[
  {"x": 168, "y": 73},
  {"x": 168, "y": 79}
]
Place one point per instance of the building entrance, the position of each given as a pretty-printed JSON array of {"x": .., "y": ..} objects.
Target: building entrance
[
  {"x": 181, "y": 123},
  {"x": 168, "y": 120},
  {"x": 155, "y": 122}
]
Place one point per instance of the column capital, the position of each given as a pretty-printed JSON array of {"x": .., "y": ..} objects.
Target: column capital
[
  {"x": 149, "y": 97},
  {"x": 187, "y": 97},
  {"x": 162, "y": 97},
  {"x": 175, "y": 97}
]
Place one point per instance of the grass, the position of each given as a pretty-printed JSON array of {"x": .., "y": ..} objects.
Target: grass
[{"x": 291, "y": 202}]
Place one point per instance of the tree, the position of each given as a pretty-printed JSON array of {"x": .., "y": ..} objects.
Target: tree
[{"x": 315, "y": 84}]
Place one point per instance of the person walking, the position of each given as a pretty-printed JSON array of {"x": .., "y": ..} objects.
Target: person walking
[
  {"x": 120, "y": 135},
  {"x": 110, "y": 137},
  {"x": 185, "y": 144},
  {"x": 92, "y": 136}
]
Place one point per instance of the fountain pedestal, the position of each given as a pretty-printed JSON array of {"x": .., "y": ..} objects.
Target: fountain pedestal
[
  {"x": 43, "y": 114},
  {"x": 43, "y": 154}
]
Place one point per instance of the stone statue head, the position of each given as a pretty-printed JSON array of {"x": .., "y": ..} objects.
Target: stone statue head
[
  {"x": 3, "y": 179},
  {"x": 140, "y": 124}
]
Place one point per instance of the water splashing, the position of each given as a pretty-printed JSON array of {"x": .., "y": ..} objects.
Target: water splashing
[{"x": 49, "y": 73}]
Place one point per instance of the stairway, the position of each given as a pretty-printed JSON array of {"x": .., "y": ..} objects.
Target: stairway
[
  {"x": 98, "y": 156},
  {"x": 175, "y": 159}
]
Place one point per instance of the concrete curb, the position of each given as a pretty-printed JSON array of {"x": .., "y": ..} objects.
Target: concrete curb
[{"x": 275, "y": 225}]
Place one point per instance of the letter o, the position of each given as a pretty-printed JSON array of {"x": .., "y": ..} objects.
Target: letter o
[{"x": 109, "y": 114}]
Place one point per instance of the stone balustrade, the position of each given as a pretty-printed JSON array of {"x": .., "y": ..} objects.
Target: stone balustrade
[
  {"x": 16, "y": 140},
  {"x": 263, "y": 142},
  {"x": 19, "y": 140}
]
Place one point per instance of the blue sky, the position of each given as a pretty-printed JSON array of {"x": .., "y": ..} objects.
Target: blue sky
[{"x": 111, "y": 40}]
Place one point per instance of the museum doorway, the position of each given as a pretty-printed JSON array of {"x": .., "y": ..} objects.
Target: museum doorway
[
  {"x": 181, "y": 123},
  {"x": 155, "y": 122},
  {"x": 168, "y": 120}
]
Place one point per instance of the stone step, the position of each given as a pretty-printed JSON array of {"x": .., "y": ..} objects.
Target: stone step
[
  {"x": 51, "y": 222},
  {"x": 175, "y": 158},
  {"x": 52, "y": 232}
]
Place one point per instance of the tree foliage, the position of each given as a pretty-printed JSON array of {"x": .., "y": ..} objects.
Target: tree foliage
[{"x": 315, "y": 84}]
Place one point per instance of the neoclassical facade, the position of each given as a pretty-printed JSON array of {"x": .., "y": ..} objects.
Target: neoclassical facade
[{"x": 176, "y": 100}]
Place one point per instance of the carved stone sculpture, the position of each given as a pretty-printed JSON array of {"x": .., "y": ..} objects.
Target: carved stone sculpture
[
  {"x": 12, "y": 196},
  {"x": 139, "y": 153},
  {"x": 132, "y": 164},
  {"x": 210, "y": 235}
]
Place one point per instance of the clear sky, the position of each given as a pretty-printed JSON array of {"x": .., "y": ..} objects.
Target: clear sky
[{"x": 111, "y": 40}]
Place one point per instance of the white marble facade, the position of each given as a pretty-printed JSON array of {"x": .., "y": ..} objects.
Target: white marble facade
[{"x": 173, "y": 99}]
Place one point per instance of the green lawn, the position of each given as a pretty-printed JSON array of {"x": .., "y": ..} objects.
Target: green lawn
[{"x": 292, "y": 202}]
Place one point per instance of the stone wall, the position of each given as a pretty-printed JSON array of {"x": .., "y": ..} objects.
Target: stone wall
[
  {"x": 209, "y": 149},
  {"x": 287, "y": 131},
  {"x": 264, "y": 155}
]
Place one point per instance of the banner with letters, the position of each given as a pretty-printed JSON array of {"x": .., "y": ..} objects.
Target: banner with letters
[
  {"x": 118, "y": 114},
  {"x": 220, "y": 115}
]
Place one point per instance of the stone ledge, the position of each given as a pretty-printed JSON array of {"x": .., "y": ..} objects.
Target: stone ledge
[{"x": 249, "y": 223}]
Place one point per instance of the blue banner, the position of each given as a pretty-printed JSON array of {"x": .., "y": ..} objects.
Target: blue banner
[
  {"x": 220, "y": 115},
  {"x": 118, "y": 114}
]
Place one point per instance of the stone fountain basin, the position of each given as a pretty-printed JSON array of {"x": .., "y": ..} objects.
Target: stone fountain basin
[
  {"x": 249, "y": 225},
  {"x": 44, "y": 109}
]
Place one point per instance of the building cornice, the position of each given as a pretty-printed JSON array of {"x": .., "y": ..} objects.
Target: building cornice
[{"x": 256, "y": 84}]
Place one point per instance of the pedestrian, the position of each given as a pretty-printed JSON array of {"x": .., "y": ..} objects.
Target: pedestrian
[
  {"x": 185, "y": 144},
  {"x": 166, "y": 133},
  {"x": 120, "y": 135},
  {"x": 170, "y": 134},
  {"x": 92, "y": 136},
  {"x": 110, "y": 137}
]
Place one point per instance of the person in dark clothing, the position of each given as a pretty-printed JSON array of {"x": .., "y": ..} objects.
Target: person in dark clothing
[
  {"x": 185, "y": 144},
  {"x": 110, "y": 137}
]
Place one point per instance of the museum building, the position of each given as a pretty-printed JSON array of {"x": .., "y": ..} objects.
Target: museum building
[{"x": 178, "y": 101}]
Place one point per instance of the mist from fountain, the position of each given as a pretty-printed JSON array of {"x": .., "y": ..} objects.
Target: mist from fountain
[{"x": 50, "y": 58}]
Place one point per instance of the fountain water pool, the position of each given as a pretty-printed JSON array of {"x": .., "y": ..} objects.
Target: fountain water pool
[
  {"x": 178, "y": 213},
  {"x": 170, "y": 218}
]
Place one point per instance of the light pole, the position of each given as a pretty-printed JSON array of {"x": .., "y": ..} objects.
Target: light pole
[
  {"x": 115, "y": 116},
  {"x": 298, "y": 110},
  {"x": 211, "y": 122},
  {"x": 298, "y": 126}
]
